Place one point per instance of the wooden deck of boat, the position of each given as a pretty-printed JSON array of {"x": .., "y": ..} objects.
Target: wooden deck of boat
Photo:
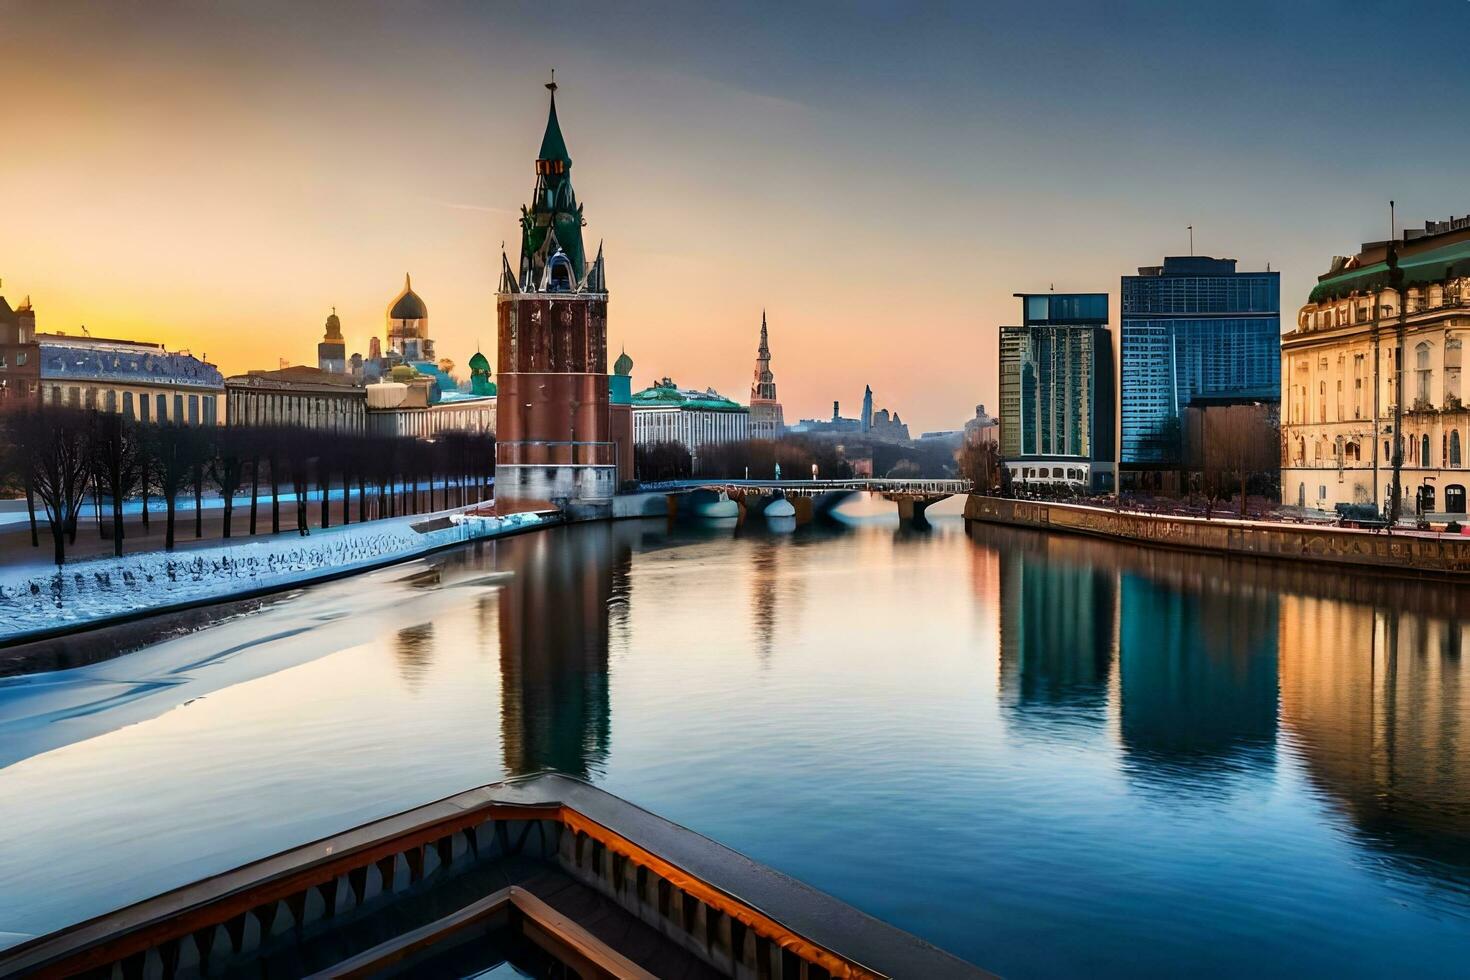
[{"x": 608, "y": 923}]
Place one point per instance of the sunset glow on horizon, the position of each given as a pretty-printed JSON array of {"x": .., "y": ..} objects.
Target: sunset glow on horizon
[{"x": 219, "y": 177}]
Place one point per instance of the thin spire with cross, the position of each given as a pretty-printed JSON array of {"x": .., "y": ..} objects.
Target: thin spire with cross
[{"x": 551, "y": 85}]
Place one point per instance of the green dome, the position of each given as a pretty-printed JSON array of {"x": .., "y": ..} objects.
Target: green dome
[
  {"x": 623, "y": 365},
  {"x": 479, "y": 363}
]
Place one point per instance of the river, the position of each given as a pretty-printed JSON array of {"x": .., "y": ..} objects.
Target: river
[{"x": 1046, "y": 754}]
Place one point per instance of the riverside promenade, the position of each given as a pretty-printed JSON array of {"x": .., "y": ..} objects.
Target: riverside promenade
[{"x": 1404, "y": 552}]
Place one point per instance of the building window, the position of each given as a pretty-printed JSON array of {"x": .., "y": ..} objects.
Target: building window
[
  {"x": 162, "y": 407},
  {"x": 193, "y": 409},
  {"x": 1452, "y": 368},
  {"x": 111, "y": 400},
  {"x": 1424, "y": 450},
  {"x": 178, "y": 408},
  {"x": 1454, "y": 499},
  {"x": 143, "y": 406},
  {"x": 1422, "y": 373},
  {"x": 1455, "y": 448},
  {"x": 128, "y": 405}
]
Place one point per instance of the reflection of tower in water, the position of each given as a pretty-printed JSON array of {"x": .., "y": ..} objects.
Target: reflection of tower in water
[
  {"x": 554, "y": 621},
  {"x": 413, "y": 649}
]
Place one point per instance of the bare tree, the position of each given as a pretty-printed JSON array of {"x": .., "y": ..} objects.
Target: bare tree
[
  {"x": 116, "y": 466},
  {"x": 54, "y": 444},
  {"x": 228, "y": 454}
]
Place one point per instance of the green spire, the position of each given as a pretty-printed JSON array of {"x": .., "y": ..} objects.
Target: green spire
[
  {"x": 553, "y": 146},
  {"x": 554, "y": 218}
]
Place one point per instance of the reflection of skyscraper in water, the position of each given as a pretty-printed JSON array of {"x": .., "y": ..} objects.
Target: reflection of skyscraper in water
[
  {"x": 1377, "y": 700},
  {"x": 1056, "y": 635},
  {"x": 1197, "y": 672},
  {"x": 554, "y": 620}
]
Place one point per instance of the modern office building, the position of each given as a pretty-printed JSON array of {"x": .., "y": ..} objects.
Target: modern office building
[
  {"x": 1340, "y": 403},
  {"x": 1192, "y": 328},
  {"x": 1056, "y": 392}
]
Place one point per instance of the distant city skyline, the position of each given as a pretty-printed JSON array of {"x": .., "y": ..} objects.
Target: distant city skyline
[{"x": 220, "y": 178}]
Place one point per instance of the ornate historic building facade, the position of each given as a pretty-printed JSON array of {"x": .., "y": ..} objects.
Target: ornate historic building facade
[
  {"x": 668, "y": 413},
  {"x": 555, "y": 445},
  {"x": 133, "y": 378},
  {"x": 1339, "y": 376},
  {"x": 20, "y": 355},
  {"x": 305, "y": 397},
  {"x": 766, "y": 418}
]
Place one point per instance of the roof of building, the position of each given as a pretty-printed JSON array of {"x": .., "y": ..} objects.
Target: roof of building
[
  {"x": 122, "y": 362},
  {"x": 1424, "y": 258},
  {"x": 408, "y": 305},
  {"x": 666, "y": 394},
  {"x": 296, "y": 376}
]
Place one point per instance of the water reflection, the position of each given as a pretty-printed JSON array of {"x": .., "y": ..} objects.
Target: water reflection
[
  {"x": 555, "y": 617},
  {"x": 413, "y": 650},
  {"x": 1377, "y": 701},
  {"x": 1057, "y": 633},
  {"x": 1198, "y": 680},
  {"x": 1363, "y": 680},
  {"x": 1130, "y": 759}
]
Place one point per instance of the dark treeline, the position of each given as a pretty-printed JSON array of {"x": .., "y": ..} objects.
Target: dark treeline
[
  {"x": 62, "y": 459},
  {"x": 659, "y": 461}
]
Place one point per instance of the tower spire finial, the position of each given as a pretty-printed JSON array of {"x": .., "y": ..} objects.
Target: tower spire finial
[{"x": 551, "y": 85}]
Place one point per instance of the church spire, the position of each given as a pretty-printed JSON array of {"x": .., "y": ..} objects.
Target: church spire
[
  {"x": 553, "y": 146},
  {"x": 554, "y": 218}
]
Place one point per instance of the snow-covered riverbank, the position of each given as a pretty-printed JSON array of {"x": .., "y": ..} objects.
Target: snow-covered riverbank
[{"x": 37, "y": 600}]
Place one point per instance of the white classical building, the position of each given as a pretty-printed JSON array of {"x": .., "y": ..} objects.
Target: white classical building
[
  {"x": 1338, "y": 375},
  {"x": 667, "y": 413}
]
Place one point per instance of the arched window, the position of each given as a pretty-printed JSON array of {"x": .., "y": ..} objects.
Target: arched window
[
  {"x": 1454, "y": 450},
  {"x": 1424, "y": 450},
  {"x": 1454, "y": 499},
  {"x": 1422, "y": 372}
]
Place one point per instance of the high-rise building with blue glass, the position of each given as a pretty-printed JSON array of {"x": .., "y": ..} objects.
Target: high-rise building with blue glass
[{"x": 1194, "y": 330}]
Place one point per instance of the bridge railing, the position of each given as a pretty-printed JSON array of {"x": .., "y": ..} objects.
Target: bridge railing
[{"x": 860, "y": 484}]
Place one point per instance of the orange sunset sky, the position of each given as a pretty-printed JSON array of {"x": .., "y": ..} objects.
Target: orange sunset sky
[{"x": 880, "y": 178}]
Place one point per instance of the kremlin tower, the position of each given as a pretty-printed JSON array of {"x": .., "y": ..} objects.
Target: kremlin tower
[
  {"x": 766, "y": 418},
  {"x": 554, "y": 441}
]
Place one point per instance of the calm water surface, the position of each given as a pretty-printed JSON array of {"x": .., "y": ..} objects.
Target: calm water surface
[{"x": 1047, "y": 754}]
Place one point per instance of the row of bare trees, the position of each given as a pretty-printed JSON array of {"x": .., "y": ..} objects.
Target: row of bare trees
[
  {"x": 659, "y": 461},
  {"x": 59, "y": 457}
]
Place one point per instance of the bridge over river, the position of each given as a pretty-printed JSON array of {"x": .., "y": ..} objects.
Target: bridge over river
[{"x": 718, "y": 497}]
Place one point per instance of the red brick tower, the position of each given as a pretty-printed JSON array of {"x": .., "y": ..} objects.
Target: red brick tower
[{"x": 554, "y": 446}]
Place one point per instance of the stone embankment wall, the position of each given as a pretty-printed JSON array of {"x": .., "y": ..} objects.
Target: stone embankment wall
[{"x": 1402, "y": 552}]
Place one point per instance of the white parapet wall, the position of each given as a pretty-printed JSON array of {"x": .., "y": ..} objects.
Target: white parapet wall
[{"x": 38, "y": 599}]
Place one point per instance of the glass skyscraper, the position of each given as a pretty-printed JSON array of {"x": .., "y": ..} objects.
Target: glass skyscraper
[
  {"x": 1056, "y": 390},
  {"x": 1193, "y": 328}
]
